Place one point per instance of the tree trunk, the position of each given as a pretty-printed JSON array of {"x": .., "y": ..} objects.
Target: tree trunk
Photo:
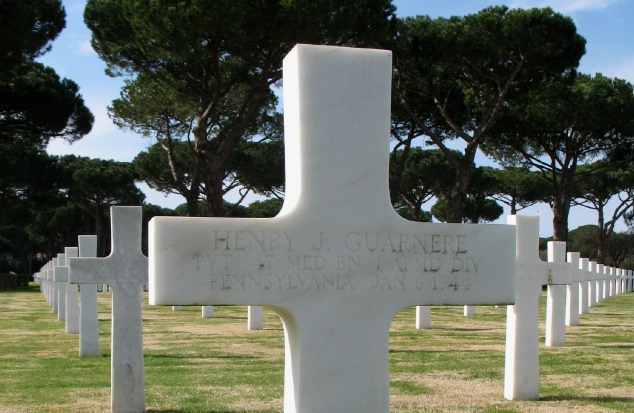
[
  {"x": 213, "y": 155},
  {"x": 192, "y": 205},
  {"x": 562, "y": 201},
  {"x": 399, "y": 167},
  {"x": 213, "y": 176},
  {"x": 560, "y": 209},
  {"x": 190, "y": 194},
  {"x": 602, "y": 237},
  {"x": 456, "y": 198}
]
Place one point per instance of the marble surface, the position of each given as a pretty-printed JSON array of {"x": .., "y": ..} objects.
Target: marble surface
[
  {"x": 423, "y": 317},
  {"x": 555, "y": 334},
  {"x": 574, "y": 289},
  {"x": 521, "y": 374},
  {"x": 207, "y": 311},
  {"x": 125, "y": 270},
  {"x": 88, "y": 315},
  {"x": 337, "y": 263},
  {"x": 255, "y": 320},
  {"x": 60, "y": 279},
  {"x": 72, "y": 297}
]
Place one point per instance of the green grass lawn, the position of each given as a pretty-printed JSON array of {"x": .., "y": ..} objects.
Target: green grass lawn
[{"x": 216, "y": 365}]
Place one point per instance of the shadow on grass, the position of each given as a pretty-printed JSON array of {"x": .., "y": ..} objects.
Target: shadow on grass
[
  {"x": 443, "y": 352},
  {"x": 467, "y": 329},
  {"x": 599, "y": 399},
  {"x": 186, "y": 411},
  {"x": 604, "y": 325},
  {"x": 29, "y": 289},
  {"x": 206, "y": 357}
]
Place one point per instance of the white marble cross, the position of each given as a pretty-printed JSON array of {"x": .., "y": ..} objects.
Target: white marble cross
[
  {"x": 125, "y": 270},
  {"x": 555, "y": 334},
  {"x": 591, "y": 276},
  {"x": 255, "y": 317},
  {"x": 574, "y": 288},
  {"x": 337, "y": 263},
  {"x": 584, "y": 287},
  {"x": 51, "y": 291},
  {"x": 72, "y": 296},
  {"x": 521, "y": 372},
  {"x": 600, "y": 281},
  {"x": 88, "y": 315},
  {"x": 60, "y": 279}
]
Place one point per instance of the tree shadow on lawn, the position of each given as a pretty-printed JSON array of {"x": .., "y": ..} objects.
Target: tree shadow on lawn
[
  {"x": 466, "y": 329},
  {"x": 184, "y": 411},
  {"x": 189, "y": 411},
  {"x": 599, "y": 399},
  {"x": 194, "y": 356},
  {"x": 30, "y": 289}
]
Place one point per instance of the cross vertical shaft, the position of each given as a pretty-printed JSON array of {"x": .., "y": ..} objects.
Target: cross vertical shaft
[{"x": 125, "y": 270}]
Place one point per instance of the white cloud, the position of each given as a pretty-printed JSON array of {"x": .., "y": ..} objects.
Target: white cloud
[
  {"x": 103, "y": 125},
  {"x": 85, "y": 48}
]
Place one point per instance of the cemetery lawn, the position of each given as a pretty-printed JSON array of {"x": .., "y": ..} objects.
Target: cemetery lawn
[{"x": 218, "y": 366}]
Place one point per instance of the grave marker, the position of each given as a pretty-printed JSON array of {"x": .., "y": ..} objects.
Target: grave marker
[
  {"x": 600, "y": 280},
  {"x": 584, "y": 287},
  {"x": 469, "y": 310},
  {"x": 60, "y": 273},
  {"x": 52, "y": 286},
  {"x": 556, "y": 296},
  {"x": 125, "y": 271},
  {"x": 593, "y": 285},
  {"x": 521, "y": 369},
  {"x": 572, "y": 295},
  {"x": 207, "y": 311},
  {"x": 46, "y": 284},
  {"x": 88, "y": 315},
  {"x": 614, "y": 276},
  {"x": 337, "y": 263},
  {"x": 72, "y": 296},
  {"x": 255, "y": 317},
  {"x": 423, "y": 317},
  {"x": 51, "y": 291}
]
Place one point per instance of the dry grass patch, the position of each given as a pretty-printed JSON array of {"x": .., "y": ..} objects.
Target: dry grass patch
[{"x": 217, "y": 365}]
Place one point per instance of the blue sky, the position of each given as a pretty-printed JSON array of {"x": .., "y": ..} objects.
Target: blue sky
[{"x": 605, "y": 24}]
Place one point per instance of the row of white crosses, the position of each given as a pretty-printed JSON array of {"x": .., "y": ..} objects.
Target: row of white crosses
[
  {"x": 574, "y": 285},
  {"x": 125, "y": 271},
  {"x": 65, "y": 299},
  {"x": 522, "y": 360},
  {"x": 337, "y": 264},
  {"x": 572, "y": 289}
]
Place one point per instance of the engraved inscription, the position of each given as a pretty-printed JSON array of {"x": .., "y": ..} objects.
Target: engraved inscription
[
  {"x": 363, "y": 260},
  {"x": 247, "y": 282},
  {"x": 252, "y": 241}
]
